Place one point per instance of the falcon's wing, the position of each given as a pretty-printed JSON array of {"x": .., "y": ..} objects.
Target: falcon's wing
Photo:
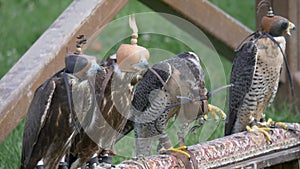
[
  {"x": 188, "y": 65},
  {"x": 36, "y": 117},
  {"x": 241, "y": 77},
  {"x": 148, "y": 84}
]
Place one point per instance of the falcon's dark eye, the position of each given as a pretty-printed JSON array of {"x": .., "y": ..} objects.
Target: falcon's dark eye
[{"x": 284, "y": 25}]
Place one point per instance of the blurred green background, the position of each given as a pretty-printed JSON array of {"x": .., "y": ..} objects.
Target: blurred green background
[{"x": 23, "y": 21}]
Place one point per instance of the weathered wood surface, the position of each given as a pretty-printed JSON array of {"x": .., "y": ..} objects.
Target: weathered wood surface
[
  {"x": 46, "y": 56},
  {"x": 209, "y": 18},
  {"x": 238, "y": 150}
]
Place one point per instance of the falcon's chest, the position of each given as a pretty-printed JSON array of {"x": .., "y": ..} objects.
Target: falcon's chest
[
  {"x": 122, "y": 91},
  {"x": 266, "y": 75},
  {"x": 268, "y": 65},
  {"x": 83, "y": 99}
]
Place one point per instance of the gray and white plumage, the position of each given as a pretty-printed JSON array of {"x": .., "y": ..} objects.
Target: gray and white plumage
[
  {"x": 183, "y": 76},
  {"x": 255, "y": 74}
]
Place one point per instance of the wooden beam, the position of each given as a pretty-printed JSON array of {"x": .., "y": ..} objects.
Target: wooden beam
[
  {"x": 209, "y": 17},
  {"x": 46, "y": 56},
  {"x": 224, "y": 31},
  {"x": 294, "y": 164},
  {"x": 239, "y": 150}
]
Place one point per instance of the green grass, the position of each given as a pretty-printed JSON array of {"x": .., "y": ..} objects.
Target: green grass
[{"x": 25, "y": 21}]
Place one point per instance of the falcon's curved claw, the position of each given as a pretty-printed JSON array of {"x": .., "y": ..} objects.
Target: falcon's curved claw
[
  {"x": 214, "y": 110},
  {"x": 92, "y": 163},
  {"x": 274, "y": 124},
  {"x": 261, "y": 129},
  {"x": 178, "y": 150}
]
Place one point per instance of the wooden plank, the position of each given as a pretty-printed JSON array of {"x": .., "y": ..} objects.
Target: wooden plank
[
  {"x": 209, "y": 18},
  {"x": 239, "y": 150},
  {"x": 46, "y": 56},
  {"x": 287, "y": 165}
]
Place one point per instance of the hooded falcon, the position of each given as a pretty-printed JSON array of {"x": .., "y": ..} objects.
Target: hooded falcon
[
  {"x": 114, "y": 91},
  {"x": 51, "y": 120},
  {"x": 255, "y": 74},
  {"x": 176, "y": 80}
]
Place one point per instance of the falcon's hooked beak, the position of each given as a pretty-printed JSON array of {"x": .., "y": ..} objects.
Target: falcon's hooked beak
[
  {"x": 95, "y": 68},
  {"x": 142, "y": 64},
  {"x": 290, "y": 27}
]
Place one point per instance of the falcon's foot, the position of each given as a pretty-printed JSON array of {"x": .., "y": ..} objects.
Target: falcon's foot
[
  {"x": 261, "y": 129},
  {"x": 272, "y": 124},
  {"x": 101, "y": 166},
  {"x": 40, "y": 167},
  {"x": 178, "y": 150},
  {"x": 93, "y": 163},
  {"x": 140, "y": 160},
  {"x": 188, "y": 159},
  {"x": 103, "y": 163},
  {"x": 63, "y": 165},
  {"x": 214, "y": 110}
]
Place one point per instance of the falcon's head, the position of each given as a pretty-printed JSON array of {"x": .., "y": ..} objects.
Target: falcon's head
[
  {"x": 132, "y": 58},
  {"x": 82, "y": 66},
  {"x": 276, "y": 25}
]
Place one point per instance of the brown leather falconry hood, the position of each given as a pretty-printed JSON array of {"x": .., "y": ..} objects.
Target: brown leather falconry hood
[{"x": 129, "y": 54}]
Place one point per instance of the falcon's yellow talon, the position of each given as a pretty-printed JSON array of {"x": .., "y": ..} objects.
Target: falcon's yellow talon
[
  {"x": 182, "y": 148},
  {"x": 178, "y": 150},
  {"x": 270, "y": 122},
  {"x": 216, "y": 117},
  {"x": 214, "y": 110},
  {"x": 263, "y": 130},
  {"x": 280, "y": 124}
]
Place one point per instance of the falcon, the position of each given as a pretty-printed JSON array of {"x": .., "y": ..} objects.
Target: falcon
[
  {"x": 174, "y": 87},
  {"x": 255, "y": 75},
  {"x": 51, "y": 120},
  {"x": 113, "y": 91}
]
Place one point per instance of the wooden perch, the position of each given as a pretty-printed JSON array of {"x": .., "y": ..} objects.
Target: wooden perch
[{"x": 235, "y": 151}]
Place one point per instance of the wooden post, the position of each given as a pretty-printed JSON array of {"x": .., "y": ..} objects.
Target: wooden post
[{"x": 46, "y": 56}]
